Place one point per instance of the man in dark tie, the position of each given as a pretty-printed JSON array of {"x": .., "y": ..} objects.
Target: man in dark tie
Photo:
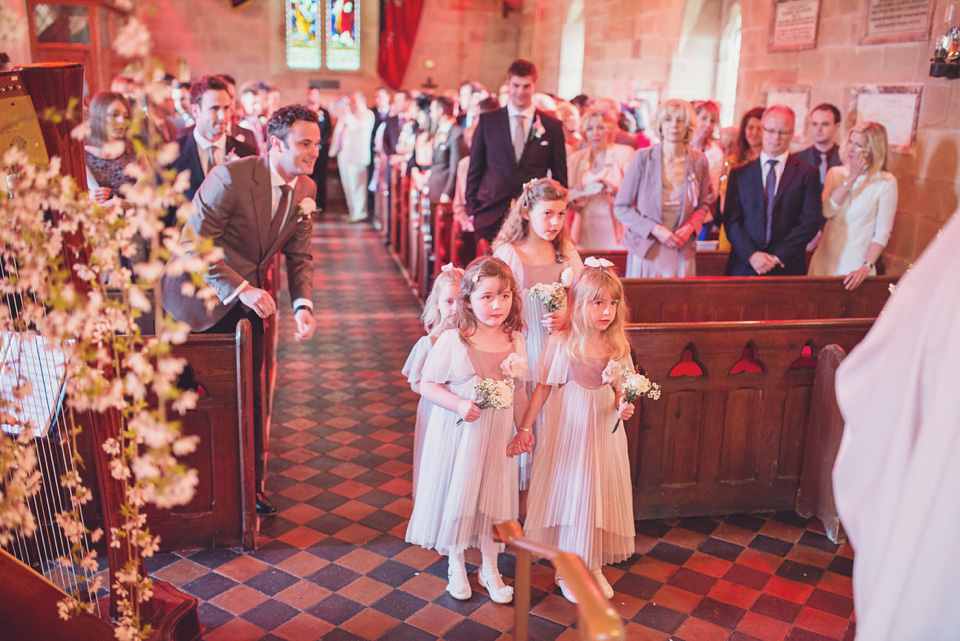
[
  {"x": 510, "y": 147},
  {"x": 773, "y": 205},
  {"x": 824, "y": 153},
  {"x": 207, "y": 143},
  {"x": 253, "y": 208}
]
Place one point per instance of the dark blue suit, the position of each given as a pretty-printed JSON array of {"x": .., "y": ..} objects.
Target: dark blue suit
[
  {"x": 797, "y": 211},
  {"x": 495, "y": 177}
]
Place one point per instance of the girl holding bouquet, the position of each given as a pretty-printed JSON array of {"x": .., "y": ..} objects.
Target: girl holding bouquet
[
  {"x": 535, "y": 243},
  {"x": 470, "y": 376},
  {"x": 436, "y": 312},
  {"x": 580, "y": 492}
]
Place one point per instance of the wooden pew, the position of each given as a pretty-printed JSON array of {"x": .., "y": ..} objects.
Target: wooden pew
[
  {"x": 729, "y": 431},
  {"x": 710, "y": 262},
  {"x": 727, "y": 298}
]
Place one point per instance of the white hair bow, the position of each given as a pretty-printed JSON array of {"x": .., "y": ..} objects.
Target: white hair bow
[
  {"x": 447, "y": 267},
  {"x": 593, "y": 261}
]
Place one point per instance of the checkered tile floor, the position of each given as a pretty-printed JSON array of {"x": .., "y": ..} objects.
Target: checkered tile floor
[{"x": 333, "y": 564}]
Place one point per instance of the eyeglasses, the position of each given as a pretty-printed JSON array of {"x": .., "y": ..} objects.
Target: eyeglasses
[{"x": 778, "y": 132}]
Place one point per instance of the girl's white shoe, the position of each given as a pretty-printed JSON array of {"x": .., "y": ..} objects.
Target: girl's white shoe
[
  {"x": 498, "y": 592},
  {"x": 457, "y": 584},
  {"x": 567, "y": 592},
  {"x": 605, "y": 586}
]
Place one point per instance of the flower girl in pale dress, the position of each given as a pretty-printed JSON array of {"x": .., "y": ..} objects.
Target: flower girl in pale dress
[
  {"x": 470, "y": 376},
  {"x": 436, "y": 311},
  {"x": 535, "y": 243},
  {"x": 580, "y": 492}
]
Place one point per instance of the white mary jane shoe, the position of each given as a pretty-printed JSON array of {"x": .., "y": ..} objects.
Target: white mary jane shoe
[
  {"x": 567, "y": 592},
  {"x": 457, "y": 584},
  {"x": 498, "y": 593},
  {"x": 605, "y": 586}
]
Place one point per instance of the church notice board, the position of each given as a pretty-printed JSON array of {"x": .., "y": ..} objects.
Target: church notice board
[
  {"x": 896, "y": 107},
  {"x": 895, "y": 20},
  {"x": 793, "y": 25},
  {"x": 797, "y": 98}
]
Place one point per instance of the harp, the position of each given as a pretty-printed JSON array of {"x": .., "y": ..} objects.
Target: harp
[{"x": 33, "y": 572}]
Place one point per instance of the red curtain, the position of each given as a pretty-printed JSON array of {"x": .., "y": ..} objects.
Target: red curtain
[{"x": 399, "y": 20}]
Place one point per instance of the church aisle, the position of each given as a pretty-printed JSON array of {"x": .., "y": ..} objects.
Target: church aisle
[{"x": 333, "y": 564}]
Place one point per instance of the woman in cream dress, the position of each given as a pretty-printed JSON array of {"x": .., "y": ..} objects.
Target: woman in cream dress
[{"x": 859, "y": 202}]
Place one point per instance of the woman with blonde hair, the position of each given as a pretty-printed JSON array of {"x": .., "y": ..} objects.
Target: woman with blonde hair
[
  {"x": 859, "y": 203},
  {"x": 594, "y": 175},
  {"x": 664, "y": 197}
]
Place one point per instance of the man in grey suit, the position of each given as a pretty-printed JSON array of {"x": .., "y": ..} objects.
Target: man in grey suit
[
  {"x": 253, "y": 208},
  {"x": 448, "y": 148}
]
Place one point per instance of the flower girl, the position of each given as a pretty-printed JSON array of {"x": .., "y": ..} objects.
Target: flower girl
[
  {"x": 470, "y": 376},
  {"x": 580, "y": 491},
  {"x": 535, "y": 243},
  {"x": 436, "y": 311}
]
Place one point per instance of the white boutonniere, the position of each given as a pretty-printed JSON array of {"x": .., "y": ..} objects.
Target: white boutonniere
[
  {"x": 513, "y": 366},
  {"x": 537, "y": 130},
  {"x": 306, "y": 208}
]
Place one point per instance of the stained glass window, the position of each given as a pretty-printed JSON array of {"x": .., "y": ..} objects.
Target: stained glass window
[
  {"x": 343, "y": 35},
  {"x": 303, "y": 35}
]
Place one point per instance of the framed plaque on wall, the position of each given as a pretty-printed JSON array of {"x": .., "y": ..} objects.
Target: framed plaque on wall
[
  {"x": 895, "y": 20},
  {"x": 793, "y": 25},
  {"x": 896, "y": 107}
]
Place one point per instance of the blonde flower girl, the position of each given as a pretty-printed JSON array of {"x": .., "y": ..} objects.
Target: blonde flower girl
[
  {"x": 580, "y": 491},
  {"x": 535, "y": 243},
  {"x": 471, "y": 378},
  {"x": 436, "y": 311}
]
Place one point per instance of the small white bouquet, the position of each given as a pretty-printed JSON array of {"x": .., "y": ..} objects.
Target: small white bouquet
[
  {"x": 551, "y": 295},
  {"x": 491, "y": 392},
  {"x": 634, "y": 384}
]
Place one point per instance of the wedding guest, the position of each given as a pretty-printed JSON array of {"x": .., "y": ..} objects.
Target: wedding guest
[
  {"x": 351, "y": 148},
  {"x": 253, "y": 99},
  {"x": 595, "y": 174},
  {"x": 708, "y": 115},
  {"x": 750, "y": 140},
  {"x": 512, "y": 145},
  {"x": 569, "y": 117},
  {"x": 859, "y": 203},
  {"x": 773, "y": 205},
  {"x": 824, "y": 153},
  {"x": 325, "y": 122},
  {"x": 107, "y": 151},
  {"x": 448, "y": 149},
  {"x": 664, "y": 197},
  {"x": 621, "y": 136}
]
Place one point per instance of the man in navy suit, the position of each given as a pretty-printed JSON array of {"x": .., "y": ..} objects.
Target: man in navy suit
[
  {"x": 512, "y": 146},
  {"x": 824, "y": 153},
  {"x": 207, "y": 143},
  {"x": 773, "y": 206}
]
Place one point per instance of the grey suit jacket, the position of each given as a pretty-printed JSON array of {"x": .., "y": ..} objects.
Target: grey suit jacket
[
  {"x": 234, "y": 208},
  {"x": 447, "y": 151},
  {"x": 639, "y": 203}
]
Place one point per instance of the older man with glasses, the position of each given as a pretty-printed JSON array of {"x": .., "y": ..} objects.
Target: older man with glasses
[{"x": 773, "y": 206}]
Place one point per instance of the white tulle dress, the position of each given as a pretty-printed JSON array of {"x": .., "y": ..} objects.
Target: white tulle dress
[
  {"x": 581, "y": 498},
  {"x": 533, "y": 310},
  {"x": 466, "y": 482},
  {"x": 413, "y": 370}
]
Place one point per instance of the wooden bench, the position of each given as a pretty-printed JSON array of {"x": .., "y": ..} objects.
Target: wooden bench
[
  {"x": 728, "y": 434},
  {"x": 710, "y": 262},
  {"x": 727, "y": 298}
]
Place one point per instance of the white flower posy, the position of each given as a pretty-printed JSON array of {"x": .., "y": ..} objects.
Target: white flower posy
[{"x": 306, "y": 208}]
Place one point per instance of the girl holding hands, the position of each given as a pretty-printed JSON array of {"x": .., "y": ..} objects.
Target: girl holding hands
[
  {"x": 535, "y": 244},
  {"x": 470, "y": 376},
  {"x": 580, "y": 492}
]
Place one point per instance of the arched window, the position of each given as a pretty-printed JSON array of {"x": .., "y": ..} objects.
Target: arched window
[
  {"x": 314, "y": 24},
  {"x": 728, "y": 66},
  {"x": 570, "y": 82}
]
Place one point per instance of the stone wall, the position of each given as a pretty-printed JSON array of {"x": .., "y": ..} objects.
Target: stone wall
[
  {"x": 466, "y": 39},
  {"x": 671, "y": 46}
]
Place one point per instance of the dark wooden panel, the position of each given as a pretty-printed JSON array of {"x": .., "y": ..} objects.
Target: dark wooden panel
[
  {"x": 675, "y": 300},
  {"x": 720, "y": 442}
]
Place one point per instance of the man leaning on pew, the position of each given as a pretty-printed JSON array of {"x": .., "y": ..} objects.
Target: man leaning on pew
[{"x": 773, "y": 206}]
